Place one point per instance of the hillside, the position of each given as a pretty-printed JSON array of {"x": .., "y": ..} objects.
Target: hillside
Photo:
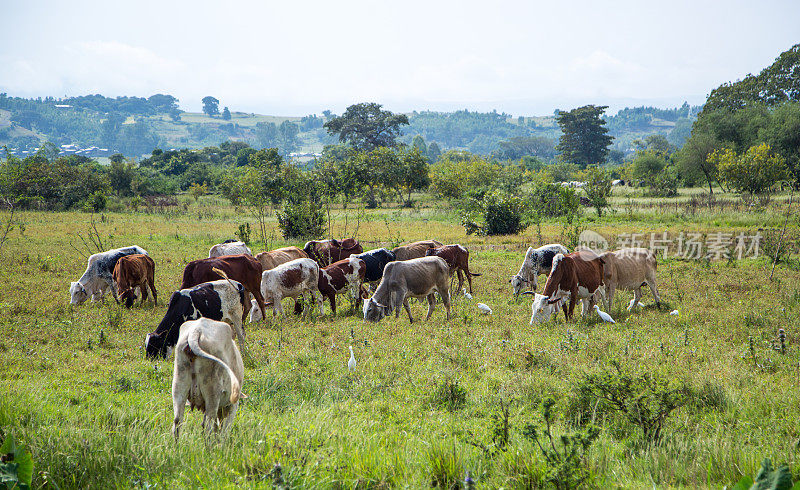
[{"x": 135, "y": 126}]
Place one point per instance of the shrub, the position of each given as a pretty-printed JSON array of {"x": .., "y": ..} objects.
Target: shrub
[
  {"x": 566, "y": 462},
  {"x": 755, "y": 171},
  {"x": 449, "y": 395},
  {"x": 96, "y": 202},
  {"x": 644, "y": 399},
  {"x": 301, "y": 219},
  {"x": 598, "y": 188},
  {"x": 243, "y": 233},
  {"x": 549, "y": 200},
  {"x": 497, "y": 213}
]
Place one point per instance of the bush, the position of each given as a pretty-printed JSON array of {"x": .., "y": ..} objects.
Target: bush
[
  {"x": 643, "y": 398},
  {"x": 449, "y": 395},
  {"x": 497, "y": 213},
  {"x": 96, "y": 202},
  {"x": 303, "y": 219},
  {"x": 550, "y": 200}
]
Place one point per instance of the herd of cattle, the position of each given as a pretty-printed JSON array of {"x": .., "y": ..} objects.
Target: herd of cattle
[{"x": 216, "y": 292}]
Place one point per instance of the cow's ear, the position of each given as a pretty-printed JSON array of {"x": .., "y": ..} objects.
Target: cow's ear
[{"x": 335, "y": 242}]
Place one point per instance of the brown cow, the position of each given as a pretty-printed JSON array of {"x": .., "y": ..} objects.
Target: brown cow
[
  {"x": 132, "y": 271},
  {"x": 577, "y": 275},
  {"x": 243, "y": 268},
  {"x": 326, "y": 252},
  {"x": 457, "y": 258},
  {"x": 415, "y": 250},
  {"x": 274, "y": 258},
  {"x": 339, "y": 277}
]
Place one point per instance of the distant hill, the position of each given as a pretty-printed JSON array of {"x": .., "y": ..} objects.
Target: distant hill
[{"x": 135, "y": 126}]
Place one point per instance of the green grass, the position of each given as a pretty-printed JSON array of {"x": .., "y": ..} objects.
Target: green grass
[{"x": 98, "y": 414}]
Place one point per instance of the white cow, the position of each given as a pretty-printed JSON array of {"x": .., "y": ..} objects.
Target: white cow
[
  {"x": 208, "y": 373},
  {"x": 288, "y": 280},
  {"x": 537, "y": 261},
  {"x": 229, "y": 248},
  {"x": 542, "y": 309},
  {"x": 98, "y": 278}
]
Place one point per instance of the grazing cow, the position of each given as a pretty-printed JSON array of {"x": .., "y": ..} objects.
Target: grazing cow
[
  {"x": 342, "y": 276},
  {"x": 98, "y": 277},
  {"x": 243, "y": 268},
  {"x": 630, "y": 269},
  {"x": 274, "y": 258},
  {"x": 229, "y": 247},
  {"x": 375, "y": 260},
  {"x": 288, "y": 280},
  {"x": 457, "y": 258},
  {"x": 326, "y": 252},
  {"x": 208, "y": 373},
  {"x": 414, "y": 250},
  {"x": 541, "y": 309},
  {"x": 134, "y": 271},
  {"x": 218, "y": 300},
  {"x": 537, "y": 261},
  {"x": 415, "y": 278},
  {"x": 578, "y": 275}
]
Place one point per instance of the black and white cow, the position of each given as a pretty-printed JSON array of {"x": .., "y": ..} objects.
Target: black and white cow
[
  {"x": 98, "y": 278},
  {"x": 218, "y": 300},
  {"x": 537, "y": 261},
  {"x": 376, "y": 261}
]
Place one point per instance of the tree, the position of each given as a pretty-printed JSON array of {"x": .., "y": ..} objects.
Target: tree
[
  {"x": 288, "y": 133},
  {"x": 754, "y": 171},
  {"x": 121, "y": 174},
  {"x": 226, "y": 114},
  {"x": 647, "y": 165},
  {"x": 414, "y": 175},
  {"x": 584, "y": 140},
  {"x": 775, "y": 85},
  {"x": 520, "y": 146},
  {"x": 267, "y": 134},
  {"x": 366, "y": 127},
  {"x": 656, "y": 143},
  {"x": 598, "y": 188},
  {"x": 434, "y": 152},
  {"x": 419, "y": 143},
  {"x": 693, "y": 160},
  {"x": 210, "y": 106}
]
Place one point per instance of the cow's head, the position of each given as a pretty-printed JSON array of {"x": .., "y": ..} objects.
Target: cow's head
[
  {"x": 374, "y": 311},
  {"x": 77, "y": 293},
  {"x": 517, "y": 282},
  {"x": 127, "y": 296},
  {"x": 543, "y": 307},
  {"x": 155, "y": 346}
]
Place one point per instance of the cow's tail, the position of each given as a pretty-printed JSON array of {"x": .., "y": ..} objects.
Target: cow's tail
[
  {"x": 224, "y": 276},
  {"x": 240, "y": 288},
  {"x": 475, "y": 274},
  {"x": 194, "y": 345}
]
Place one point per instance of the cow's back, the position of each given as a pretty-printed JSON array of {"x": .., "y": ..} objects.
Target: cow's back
[{"x": 628, "y": 268}]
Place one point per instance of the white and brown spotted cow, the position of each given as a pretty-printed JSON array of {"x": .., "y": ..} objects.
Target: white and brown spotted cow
[
  {"x": 576, "y": 276},
  {"x": 289, "y": 280},
  {"x": 343, "y": 276},
  {"x": 537, "y": 261}
]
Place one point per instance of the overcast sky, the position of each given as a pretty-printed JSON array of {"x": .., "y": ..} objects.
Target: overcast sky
[{"x": 301, "y": 57}]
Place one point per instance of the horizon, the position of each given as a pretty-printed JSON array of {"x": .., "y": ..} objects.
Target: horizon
[{"x": 518, "y": 58}]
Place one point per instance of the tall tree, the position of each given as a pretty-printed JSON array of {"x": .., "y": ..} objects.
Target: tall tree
[
  {"x": 584, "y": 140},
  {"x": 434, "y": 152},
  {"x": 226, "y": 114},
  {"x": 367, "y": 127},
  {"x": 288, "y": 131},
  {"x": 210, "y": 106}
]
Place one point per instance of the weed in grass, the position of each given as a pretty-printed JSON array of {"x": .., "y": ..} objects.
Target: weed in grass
[
  {"x": 449, "y": 395},
  {"x": 445, "y": 465}
]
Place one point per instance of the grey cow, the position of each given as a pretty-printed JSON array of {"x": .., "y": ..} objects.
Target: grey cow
[{"x": 415, "y": 278}]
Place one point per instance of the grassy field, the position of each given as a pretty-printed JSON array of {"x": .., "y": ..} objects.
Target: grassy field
[{"x": 78, "y": 392}]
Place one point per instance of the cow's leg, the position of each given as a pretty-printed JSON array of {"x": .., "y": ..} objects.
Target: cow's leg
[
  {"x": 259, "y": 299},
  {"x": 332, "y": 299},
  {"x": 408, "y": 310},
  {"x": 181, "y": 383},
  {"x": 651, "y": 281},
  {"x": 446, "y": 302},
  {"x": 460, "y": 274},
  {"x": 610, "y": 297},
  {"x": 278, "y": 307},
  {"x": 143, "y": 290},
  {"x": 469, "y": 279},
  {"x": 637, "y": 295},
  {"x": 431, "y": 303}
]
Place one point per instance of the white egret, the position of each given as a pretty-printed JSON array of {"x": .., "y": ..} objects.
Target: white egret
[
  {"x": 484, "y": 309},
  {"x": 605, "y": 316},
  {"x": 466, "y": 294},
  {"x": 351, "y": 364},
  {"x": 674, "y": 312}
]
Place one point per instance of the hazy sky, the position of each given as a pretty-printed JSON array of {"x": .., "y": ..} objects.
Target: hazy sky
[{"x": 300, "y": 57}]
